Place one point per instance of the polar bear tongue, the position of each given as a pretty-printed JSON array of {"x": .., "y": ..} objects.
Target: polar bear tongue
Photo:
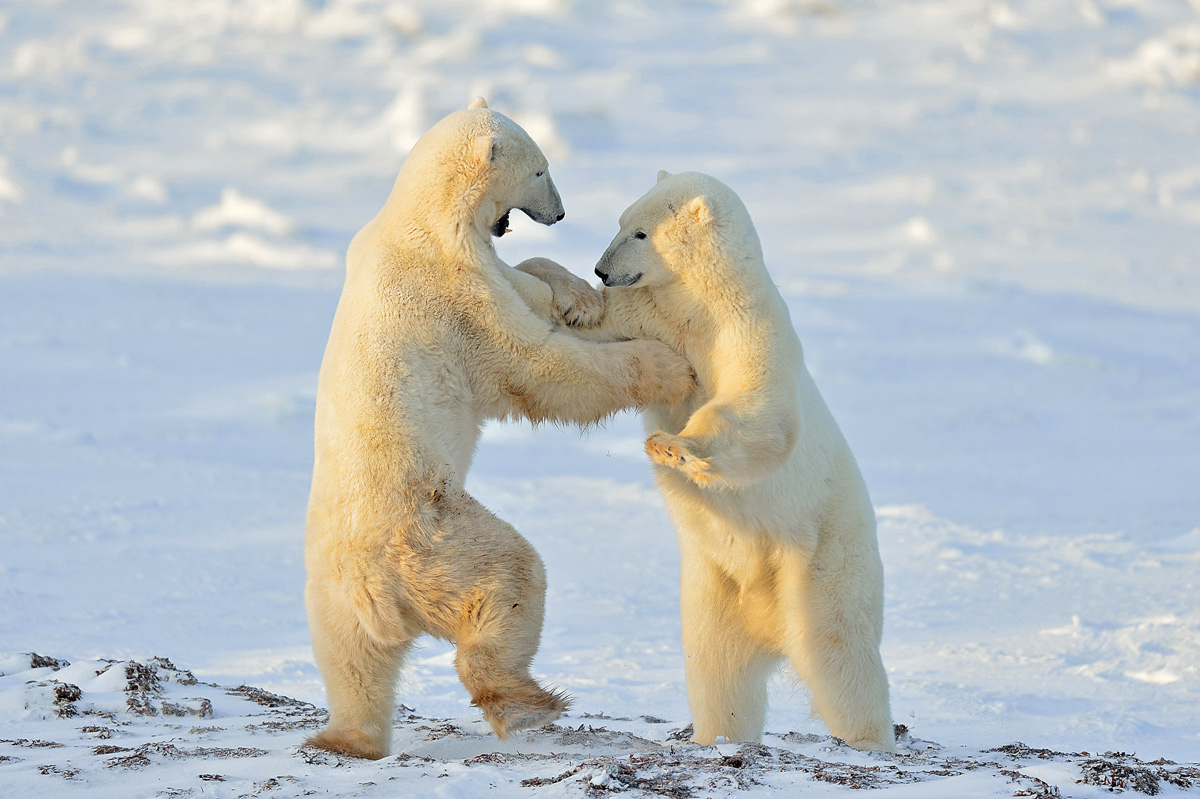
[{"x": 501, "y": 226}]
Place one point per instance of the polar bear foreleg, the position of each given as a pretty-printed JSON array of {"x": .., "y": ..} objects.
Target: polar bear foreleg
[
  {"x": 726, "y": 668},
  {"x": 537, "y": 293},
  {"x": 566, "y": 379},
  {"x": 359, "y": 672},
  {"x": 724, "y": 444},
  {"x": 833, "y": 610}
]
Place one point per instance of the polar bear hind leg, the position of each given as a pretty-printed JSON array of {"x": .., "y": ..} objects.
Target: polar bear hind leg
[
  {"x": 725, "y": 666},
  {"x": 360, "y": 676},
  {"x": 499, "y": 622},
  {"x": 833, "y": 616},
  {"x": 482, "y": 586}
]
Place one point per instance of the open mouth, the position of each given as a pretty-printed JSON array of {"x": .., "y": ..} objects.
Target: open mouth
[{"x": 501, "y": 227}]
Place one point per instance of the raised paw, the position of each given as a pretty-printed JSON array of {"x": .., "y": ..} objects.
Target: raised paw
[
  {"x": 577, "y": 302},
  {"x": 574, "y": 299},
  {"x": 522, "y": 708},
  {"x": 674, "y": 452}
]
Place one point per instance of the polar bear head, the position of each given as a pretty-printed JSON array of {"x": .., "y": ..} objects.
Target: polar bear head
[
  {"x": 682, "y": 230},
  {"x": 476, "y": 166}
]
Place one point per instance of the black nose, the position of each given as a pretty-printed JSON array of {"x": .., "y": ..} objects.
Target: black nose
[
  {"x": 602, "y": 275},
  {"x": 560, "y": 216}
]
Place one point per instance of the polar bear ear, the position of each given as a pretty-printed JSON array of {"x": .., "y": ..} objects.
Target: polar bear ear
[
  {"x": 700, "y": 210},
  {"x": 478, "y": 102},
  {"x": 487, "y": 149},
  {"x": 662, "y": 173}
]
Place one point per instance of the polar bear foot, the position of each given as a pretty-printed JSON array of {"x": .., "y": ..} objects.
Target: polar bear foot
[
  {"x": 872, "y": 745},
  {"x": 672, "y": 451},
  {"x": 352, "y": 742},
  {"x": 521, "y": 709}
]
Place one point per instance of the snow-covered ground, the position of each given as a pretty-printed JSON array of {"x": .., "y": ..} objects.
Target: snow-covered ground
[{"x": 985, "y": 217}]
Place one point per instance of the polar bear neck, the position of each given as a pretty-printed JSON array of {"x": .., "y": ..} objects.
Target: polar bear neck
[
  {"x": 432, "y": 216},
  {"x": 423, "y": 199},
  {"x": 724, "y": 286},
  {"x": 442, "y": 195}
]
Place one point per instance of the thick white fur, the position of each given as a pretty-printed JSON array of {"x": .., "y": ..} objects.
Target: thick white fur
[
  {"x": 434, "y": 334},
  {"x": 776, "y": 531}
]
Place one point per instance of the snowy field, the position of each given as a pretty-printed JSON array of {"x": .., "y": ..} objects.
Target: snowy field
[{"x": 985, "y": 217}]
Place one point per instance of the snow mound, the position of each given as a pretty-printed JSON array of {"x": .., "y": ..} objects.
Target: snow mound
[{"x": 127, "y": 727}]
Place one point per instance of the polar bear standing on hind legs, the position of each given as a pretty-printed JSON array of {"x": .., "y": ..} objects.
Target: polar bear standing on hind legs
[
  {"x": 433, "y": 335},
  {"x": 776, "y": 530}
]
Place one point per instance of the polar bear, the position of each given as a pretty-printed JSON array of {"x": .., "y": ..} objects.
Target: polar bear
[
  {"x": 433, "y": 334},
  {"x": 775, "y": 527}
]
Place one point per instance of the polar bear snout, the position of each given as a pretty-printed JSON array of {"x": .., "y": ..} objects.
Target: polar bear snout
[
  {"x": 617, "y": 281},
  {"x": 543, "y": 204},
  {"x": 610, "y": 276},
  {"x": 545, "y": 218},
  {"x": 605, "y": 277},
  {"x": 604, "y": 268}
]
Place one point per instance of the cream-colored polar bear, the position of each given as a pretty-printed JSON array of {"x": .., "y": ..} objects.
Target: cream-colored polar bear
[
  {"x": 776, "y": 531},
  {"x": 433, "y": 335}
]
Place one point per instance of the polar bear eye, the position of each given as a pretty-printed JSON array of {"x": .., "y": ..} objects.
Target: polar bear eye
[
  {"x": 639, "y": 235},
  {"x": 539, "y": 174}
]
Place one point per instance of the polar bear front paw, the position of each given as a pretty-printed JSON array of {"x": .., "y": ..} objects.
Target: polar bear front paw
[
  {"x": 574, "y": 299},
  {"x": 674, "y": 452},
  {"x": 663, "y": 377},
  {"x": 577, "y": 302}
]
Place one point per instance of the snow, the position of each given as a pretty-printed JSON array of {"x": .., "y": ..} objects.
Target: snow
[
  {"x": 985, "y": 218},
  {"x": 143, "y": 728}
]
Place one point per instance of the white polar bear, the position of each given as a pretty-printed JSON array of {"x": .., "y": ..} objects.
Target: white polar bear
[
  {"x": 776, "y": 531},
  {"x": 433, "y": 335}
]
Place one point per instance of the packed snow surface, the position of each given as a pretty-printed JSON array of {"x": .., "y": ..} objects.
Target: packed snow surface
[{"x": 984, "y": 216}]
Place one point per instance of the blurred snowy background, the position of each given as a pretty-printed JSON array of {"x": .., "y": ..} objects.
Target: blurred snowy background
[{"x": 985, "y": 217}]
